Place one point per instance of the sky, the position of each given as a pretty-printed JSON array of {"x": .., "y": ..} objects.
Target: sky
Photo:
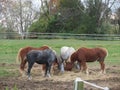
[
  {"x": 36, "y": 4},
  {"x": 116, "y": 5}
]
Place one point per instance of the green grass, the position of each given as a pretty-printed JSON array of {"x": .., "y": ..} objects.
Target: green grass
[
  {"x": 7, "y": 71},
  {"x": 9, "y": 48}
]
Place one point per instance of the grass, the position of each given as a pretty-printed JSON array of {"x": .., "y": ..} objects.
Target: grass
[
  {"x": 7, "y": 71},
  {"x": 9, "y": 48}
]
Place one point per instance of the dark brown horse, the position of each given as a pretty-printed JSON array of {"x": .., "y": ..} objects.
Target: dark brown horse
[
  {"x": 83, "y": 55},
  {"x": 21, "y": 56}
]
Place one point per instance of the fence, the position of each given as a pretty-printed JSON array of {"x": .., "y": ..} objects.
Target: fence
[
  {"x": 36, "y": 35},
  {"x": 79, "y": 85}
]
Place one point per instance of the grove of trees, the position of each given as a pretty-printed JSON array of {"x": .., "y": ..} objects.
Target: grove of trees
[{"x": 60, "y": 16}]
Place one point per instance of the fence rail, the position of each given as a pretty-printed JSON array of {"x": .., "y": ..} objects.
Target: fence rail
[
  {"x": 36, "y": 35},
  {"x": 79, "y": 85}
]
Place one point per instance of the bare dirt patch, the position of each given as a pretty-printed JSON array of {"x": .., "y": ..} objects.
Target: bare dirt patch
[{"x": 61, "y": 81}]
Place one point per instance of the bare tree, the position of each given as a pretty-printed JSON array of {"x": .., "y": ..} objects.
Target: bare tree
[
  {"x": 118, "y": 18},
  {"x": 108, "y": 5},
  {"x": 18, "y": 15}
]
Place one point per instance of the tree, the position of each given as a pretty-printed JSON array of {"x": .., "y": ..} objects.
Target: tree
[
  {"x": 97, "y": 12},
  {"x": 40, "y": 25},
  {"x": 74, "y": 16},
  {"x": 118, "y": 18},
  {"x": 67, "y": 19},
  {"x": 18, "y": 15}
]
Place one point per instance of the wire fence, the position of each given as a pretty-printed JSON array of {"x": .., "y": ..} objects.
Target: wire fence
[{"x": 36, "y": 35}]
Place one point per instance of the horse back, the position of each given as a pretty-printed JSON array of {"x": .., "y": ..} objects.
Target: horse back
[
  {"x": 91, "y": 54},
  {"x": 42, "y": 48},
  {"x": 66, "y": 52},
  {"x": 23, "y": 51},
  {"x": 41, "y": 56}
]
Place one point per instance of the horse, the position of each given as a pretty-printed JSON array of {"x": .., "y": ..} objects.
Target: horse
[
  {"x": 83, "y": 55},
  {"x": 47, "y": 57},
  {"x": 22, "y": 54},
  {"x": 65, "y": 53}
]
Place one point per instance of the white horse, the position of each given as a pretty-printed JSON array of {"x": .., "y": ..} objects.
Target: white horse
[{"x": 65, "y": 54}]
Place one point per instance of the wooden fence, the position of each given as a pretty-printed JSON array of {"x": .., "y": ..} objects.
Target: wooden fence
[{"x": 36, "y": 35}]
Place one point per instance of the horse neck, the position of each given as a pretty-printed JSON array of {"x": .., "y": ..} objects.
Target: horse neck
[{"x": 73, "y": 57}]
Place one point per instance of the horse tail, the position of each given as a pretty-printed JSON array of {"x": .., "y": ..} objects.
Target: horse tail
[
  {"x": 22, "y": 61},
  {"x": 106, "y": 52},
  {"x": 18, "y": 58}
]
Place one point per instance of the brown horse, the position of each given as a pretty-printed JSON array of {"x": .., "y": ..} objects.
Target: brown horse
[
  {"x": 83, "y": 55},
  {"x": 21, "y": 56}
]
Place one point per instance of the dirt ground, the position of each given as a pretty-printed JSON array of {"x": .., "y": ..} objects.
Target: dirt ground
[{"x": 62, "y": 81}]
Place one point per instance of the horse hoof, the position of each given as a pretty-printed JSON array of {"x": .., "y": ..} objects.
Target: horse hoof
[
  {"x": 48, "y": 76},
  {"x": 102, "y": 72},
  {"x": 29, "y": 78}
]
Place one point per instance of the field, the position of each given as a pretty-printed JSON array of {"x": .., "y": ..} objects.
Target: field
[{"x": 10, "y": 78}]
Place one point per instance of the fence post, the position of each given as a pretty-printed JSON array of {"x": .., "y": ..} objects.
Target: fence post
[{"x": 78, "y": 84}]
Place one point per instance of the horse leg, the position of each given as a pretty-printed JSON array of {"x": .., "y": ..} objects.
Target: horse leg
[
  {"x": 62, "y": 68},
  {"x": 22, "y": 66},
  {"x": 29, "y": 69},
  {"x": 47, "y": 71},
  {"x": 43, "y": 68},
  {"x": 84, "y": 65},
  {"x": 77, "y": 65},
  {"x": 53, "y": 69},
  {"x": 102, "y": 67}
]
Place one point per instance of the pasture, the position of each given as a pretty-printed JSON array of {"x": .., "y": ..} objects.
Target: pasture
[{"x": 10, "y": 77}]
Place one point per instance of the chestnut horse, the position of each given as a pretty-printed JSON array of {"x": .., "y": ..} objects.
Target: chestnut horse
[
  {"x": 21, "y": 56},
  {"x": 83, "y": 55}
]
